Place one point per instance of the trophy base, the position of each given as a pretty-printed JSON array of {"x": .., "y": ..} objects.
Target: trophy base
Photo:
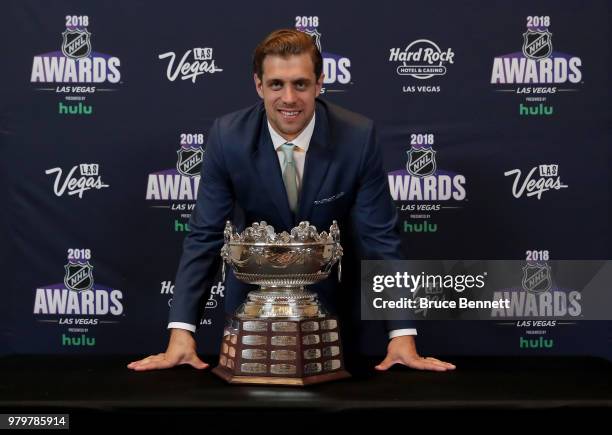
[
  {"x": 230, "y": 378},
  {"x": 277, "y": 351}
]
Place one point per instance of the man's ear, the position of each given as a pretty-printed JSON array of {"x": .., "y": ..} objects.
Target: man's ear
[
  {"x": 258, "y": 85},
  {"x": 319, "y": 84}
]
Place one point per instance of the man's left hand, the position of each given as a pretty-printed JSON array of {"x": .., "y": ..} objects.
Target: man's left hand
[{"x": 402, "y": 350}]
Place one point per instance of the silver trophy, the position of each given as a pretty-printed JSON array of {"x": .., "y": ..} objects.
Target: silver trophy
[{"x": 281, "y": 334}]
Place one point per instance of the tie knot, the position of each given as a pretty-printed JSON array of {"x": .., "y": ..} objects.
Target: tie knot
[{"x": 288, "y": 151}]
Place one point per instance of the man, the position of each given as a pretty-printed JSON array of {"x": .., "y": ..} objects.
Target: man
[{"x": 291, "y": 158}]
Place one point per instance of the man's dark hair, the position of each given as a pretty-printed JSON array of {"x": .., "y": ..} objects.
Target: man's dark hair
[{"x": 285, "y": 43}]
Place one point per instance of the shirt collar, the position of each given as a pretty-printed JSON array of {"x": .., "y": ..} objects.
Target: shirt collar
[{"x": 302, "y": 140}]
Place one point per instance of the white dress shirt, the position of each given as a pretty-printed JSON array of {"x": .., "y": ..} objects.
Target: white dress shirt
[{"x": 301, "y": 142}]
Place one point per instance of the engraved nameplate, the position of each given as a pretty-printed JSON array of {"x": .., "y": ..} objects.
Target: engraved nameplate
[
  {"x": 254, "y": 353},
  {"x": 310, "y": 326},
  {"x": 253, "y": 368},
  {"x": 312, "y": 353},
  {"x": 255, "y": 326},
  {"x": 312, "y": 368},
  {"x": 283, "y": 340},
  {"x": 284, "y": 327},
  {"x": 329, "y": 324},
  {"x": 283, "y": 354},
  {"x": 329, "y": 337},
  {"x": 254, "y": 340},
  {"x": 311, "y": 339},
  {"x": 282, "y": 369},
  {"x": 332, "y": 364},
  {"x": 331, "y": 351}
]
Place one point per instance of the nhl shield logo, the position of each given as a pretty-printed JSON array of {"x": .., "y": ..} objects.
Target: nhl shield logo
[
  {"x": 189, "y": 161},
  {"x": 536, "y": 278},
  {"x": 537, "y": 44},
  {"x": 421, "y": 162},
  {"x": 78, "y": 276},
  {"x": 76, "y": 43},
  {"x": 315, "y": 35}
]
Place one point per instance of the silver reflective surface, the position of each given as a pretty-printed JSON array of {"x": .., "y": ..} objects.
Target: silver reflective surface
[{"x": 281, "y": 264}]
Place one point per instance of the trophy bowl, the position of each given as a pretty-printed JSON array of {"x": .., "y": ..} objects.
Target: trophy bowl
[
  {"x": 287, "y": 260},
  {"x": 281, "y": 335}
]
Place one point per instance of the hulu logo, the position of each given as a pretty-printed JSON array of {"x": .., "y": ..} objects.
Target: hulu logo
[
  {"x": 180, "y": 227},
  {"x": 538, "y": 110},
  {"x": 75, "y": 109},
  {"x": 83, "y": 340},
  {"x": 422, "y": 227},
  {"x": 537, "y": 343}
]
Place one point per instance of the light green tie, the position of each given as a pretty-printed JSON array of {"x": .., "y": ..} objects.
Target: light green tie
[{"x": 290, "y": 176}]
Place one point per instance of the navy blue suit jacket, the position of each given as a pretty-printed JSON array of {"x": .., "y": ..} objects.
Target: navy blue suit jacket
[{"x": 241, "y": 180}]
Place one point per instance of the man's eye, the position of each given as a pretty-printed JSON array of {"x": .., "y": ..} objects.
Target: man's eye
[
  {"x": 275, "y": 85},
  {"x": 300, "y": 86}
]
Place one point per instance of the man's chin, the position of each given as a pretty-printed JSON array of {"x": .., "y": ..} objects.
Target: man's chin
[{"x": 291, "y": 129}]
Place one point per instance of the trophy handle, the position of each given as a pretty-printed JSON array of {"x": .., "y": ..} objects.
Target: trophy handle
[
  {"x": 334, "y": 231},
  {"x": 228, "y": 231},
  {"x": 225, "y": 255}
]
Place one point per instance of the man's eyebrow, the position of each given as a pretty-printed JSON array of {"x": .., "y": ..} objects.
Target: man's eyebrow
[{"x": 300, "y": 80}]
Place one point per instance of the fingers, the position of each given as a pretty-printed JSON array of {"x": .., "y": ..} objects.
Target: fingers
[
  {"x": 431, "y": 364},
  {"x": 385, "y": 364},
  {"x": 153, "y": 362},
  {"x": 197, "y": 363},
  {"x": 448, "y": 365},
  {"x": 138, "y": 362},
  {"x": 418, "y": 363},
  {"x": 161, "y": 361}
]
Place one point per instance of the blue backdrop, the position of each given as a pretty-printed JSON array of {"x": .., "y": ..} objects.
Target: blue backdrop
[{"x": 105, "y": 109}]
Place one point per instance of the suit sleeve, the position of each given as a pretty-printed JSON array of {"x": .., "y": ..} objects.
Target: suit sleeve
[
  {"x": 375, "y": 216},
  {"x": 200, "y": 260}
]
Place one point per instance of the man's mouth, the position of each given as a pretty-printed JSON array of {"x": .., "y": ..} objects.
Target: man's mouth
[{"x": 289, "y": 114}]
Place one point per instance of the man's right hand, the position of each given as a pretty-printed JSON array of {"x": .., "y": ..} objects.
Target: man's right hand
[{"x": 181, "y": 350}]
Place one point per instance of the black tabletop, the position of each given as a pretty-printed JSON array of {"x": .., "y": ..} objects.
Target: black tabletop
[{"x": 102, "y": 389}]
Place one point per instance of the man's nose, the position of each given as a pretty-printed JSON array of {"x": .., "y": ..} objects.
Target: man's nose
[{"x": 289, "y": 95}]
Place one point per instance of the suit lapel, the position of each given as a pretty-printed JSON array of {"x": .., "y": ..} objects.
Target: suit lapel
[
  {"x": 317, "y": 162},
  {"x": 266, "y": 162}
]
